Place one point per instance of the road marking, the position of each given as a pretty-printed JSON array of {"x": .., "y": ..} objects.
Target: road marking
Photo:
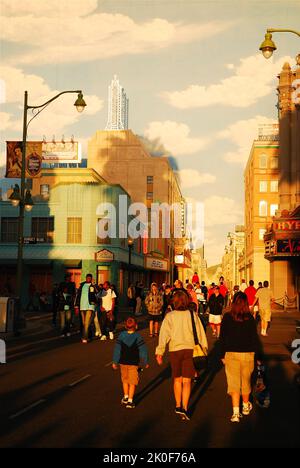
[
  {"x": 109, "y": 364},
  {"x": 28, "y": 408},
  {"x": 80, "y": 380}
]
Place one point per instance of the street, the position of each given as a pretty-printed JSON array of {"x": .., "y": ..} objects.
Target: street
[{"x": 59, "y": 393}]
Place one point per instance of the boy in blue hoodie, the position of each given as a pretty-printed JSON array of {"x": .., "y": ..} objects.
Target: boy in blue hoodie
[{"x": 130, "y": 351}]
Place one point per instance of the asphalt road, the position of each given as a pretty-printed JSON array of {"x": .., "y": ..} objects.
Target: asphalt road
[{"x": 60, "y": 393}]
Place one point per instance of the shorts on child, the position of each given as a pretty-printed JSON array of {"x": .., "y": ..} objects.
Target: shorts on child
[
  {"x": 129, "y": 374},
  {"x": 215, "y": 319}
]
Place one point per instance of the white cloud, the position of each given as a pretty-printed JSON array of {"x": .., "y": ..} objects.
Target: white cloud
[
  {"x": 58, "y": 115},
  {"x": 252, "y": 79},
  {"x": 175, "y": 136},
  {"x": 220, "y": 211},
  {"x": 41, "y": 8},
  {"x": 241, "y": 134},
  {"x": 70, "y": 31},
  {"x": 190, "y": 178}
]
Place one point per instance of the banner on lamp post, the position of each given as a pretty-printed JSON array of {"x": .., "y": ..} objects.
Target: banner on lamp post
[{"x": 33, "y": 159}]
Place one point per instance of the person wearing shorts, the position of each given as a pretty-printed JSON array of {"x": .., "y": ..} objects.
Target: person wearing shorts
[
  {"x": 264, "y": 298},
  {"x": 130, "y": 351},
  {"x": 239, "y": 343},
  {"x": 216, "y": 304},
  {"x": 177, "y": 333},
  {"x": 154, "y": 303}
]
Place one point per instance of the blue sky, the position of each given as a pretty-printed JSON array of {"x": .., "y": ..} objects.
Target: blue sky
[{"x": 191, "y": 70}]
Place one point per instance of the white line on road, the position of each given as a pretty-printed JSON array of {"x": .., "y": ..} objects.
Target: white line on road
[
  {"x": 80, "y": 380},
  {"x": 28, "y": 408},
  {"x": 109, "y": 364}
]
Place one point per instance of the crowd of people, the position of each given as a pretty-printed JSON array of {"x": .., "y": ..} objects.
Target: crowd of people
[
  {"x": 232, "y": 318},
  {"x": 178, "y": 315}
]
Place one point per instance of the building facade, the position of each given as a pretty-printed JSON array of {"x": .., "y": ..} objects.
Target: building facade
[
  {"x": 61, "y": 235},
  {"x": 282, "y": 241},
  {"x": 120, "y": 157},
  {"x": 261, "y": 182},
  {"x": 230, "y": 259}
]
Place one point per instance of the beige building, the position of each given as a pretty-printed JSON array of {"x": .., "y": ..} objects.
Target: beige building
[
  {"x": 233, "y": 250},
  {"x": 261, "y": 181},
  {"x": 120, "y": 158},
  {"x": 282, "y": 241}
]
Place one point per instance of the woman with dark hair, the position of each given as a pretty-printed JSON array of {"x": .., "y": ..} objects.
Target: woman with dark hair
[
  {"x": 239, "y": 343},
  {"x": 177, "y": 332}
]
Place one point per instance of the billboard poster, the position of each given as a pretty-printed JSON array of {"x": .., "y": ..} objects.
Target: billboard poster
[
  {"x": 64, "y": 152},
  {"x": 14, "y": 159}
]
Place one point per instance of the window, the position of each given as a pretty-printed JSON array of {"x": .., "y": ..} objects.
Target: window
[
  {"x": 263, "y": 161},
  {"x": 149, "y": 179},
  {"x": 74, "y": 230},
  {"x": 9, "y": 229},
  {"x": 263, "y": 186},
  {"x": 263, "y": 208},
  {"x": 274, "y": 163},
  {"x": 43, "y": 228},
  {"x": 274, "y": 186},
  {"x": 261, "y": 234},
  {"x": 273, "y": 209},
  {"x": 44, "y": 190},
  {"x": 103, "y": 240},
  {"x": 149, "y": 195}
]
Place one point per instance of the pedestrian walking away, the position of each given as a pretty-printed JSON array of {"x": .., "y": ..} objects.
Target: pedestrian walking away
[
  {"x": 239, "y": 344},
  {"x": 138, "y": 298},
  {"x": 177, "y": 333},
  {"x": 64, "y": 307},
  {"x": 265, "y": 299},
  {"x": 130, "y": 352},
  {"x": 154, "y": 304},
  {"x": 216, "y": 305}
]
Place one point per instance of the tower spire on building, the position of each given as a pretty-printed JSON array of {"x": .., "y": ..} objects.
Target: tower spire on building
[{"x": 117, "y": 106}]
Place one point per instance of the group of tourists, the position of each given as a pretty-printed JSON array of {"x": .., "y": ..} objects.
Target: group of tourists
[
  {"x": 93, "y": 305},
  {"x": 182, "y": 331}
]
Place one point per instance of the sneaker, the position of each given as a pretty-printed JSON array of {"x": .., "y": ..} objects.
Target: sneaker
[
  {"x": 235, "y": 418},
  {"x": 68, "y": 335},
  {"x": 111, "y": 335},
  {"x": 84, "y": 341},
  {"x": 130, "y": 405},
  {"x": 185, "y": 416},
  {"x": 103, "y": 338},
  {"x": 247, "y": 408},
  {"x": 179, "y": 410},
  {"x": 97, "y": 334},
  {"x": 124, "y": 401}
]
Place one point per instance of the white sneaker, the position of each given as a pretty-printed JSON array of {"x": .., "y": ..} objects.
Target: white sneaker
[
  {"x": 97, "y": 334},
  {"x": 111, "y": 335},
  {"x": 103, "y": 338},
  {"x": 247, "y": 408},
  {"x": 235, "y": 418}
]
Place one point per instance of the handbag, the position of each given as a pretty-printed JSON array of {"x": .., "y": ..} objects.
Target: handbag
[{"x": 199, "y": 353}]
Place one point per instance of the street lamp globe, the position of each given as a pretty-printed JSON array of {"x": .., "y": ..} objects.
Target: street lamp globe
[
  {"x": 80, "y": 103},
  {"x": 15, "y": 197},
  {"x": 268, "y": 46}
]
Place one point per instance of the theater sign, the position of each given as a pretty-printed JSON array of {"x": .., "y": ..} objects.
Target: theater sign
[{"x": 283, "y": 238}]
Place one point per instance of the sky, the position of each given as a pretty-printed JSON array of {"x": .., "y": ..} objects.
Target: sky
[{"x": 191, "y": 69}]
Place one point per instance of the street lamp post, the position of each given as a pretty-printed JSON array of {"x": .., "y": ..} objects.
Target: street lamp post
[
  {"x": 268, "y": 46},
  {"x": 22, "y": 199}
]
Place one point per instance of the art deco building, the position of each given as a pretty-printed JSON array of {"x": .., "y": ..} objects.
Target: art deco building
[{"x": 117, "y": 107}]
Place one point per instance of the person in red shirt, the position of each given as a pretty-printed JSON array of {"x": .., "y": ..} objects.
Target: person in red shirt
[
  {"x": 250, "y": 293},
  {"x": 223, "y": 290},
  {"x": 193, "y": 295},
  {"x": 195, "y": 278}
]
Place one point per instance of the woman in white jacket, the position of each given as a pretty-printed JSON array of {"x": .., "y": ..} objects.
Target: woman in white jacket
[{"x": 177, "y": 332}]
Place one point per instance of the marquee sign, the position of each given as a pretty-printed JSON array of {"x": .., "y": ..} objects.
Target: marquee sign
[{"x": 104, "y": 255}]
